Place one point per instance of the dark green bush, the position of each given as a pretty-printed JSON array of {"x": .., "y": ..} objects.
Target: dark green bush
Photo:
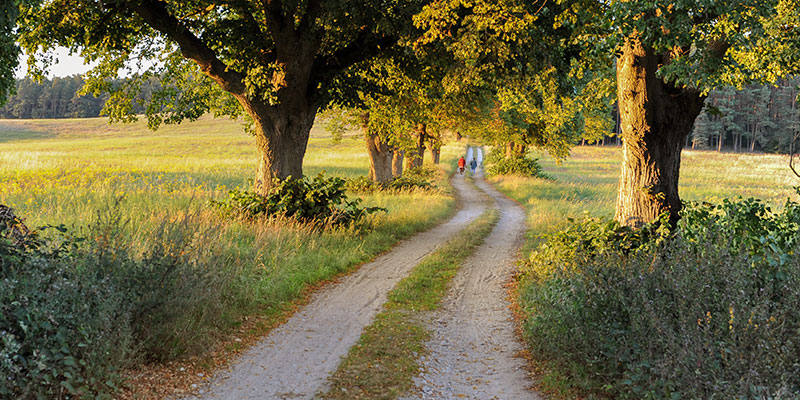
[
  {"x": 319, "y": 200},
  {"x": 523, "y": 166},
  {"x": 420, "y": 178},
  {"x": 77, "y": 309},
  {"x": 709, "y": 310}
]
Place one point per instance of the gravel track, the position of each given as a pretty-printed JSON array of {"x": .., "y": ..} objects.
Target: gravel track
[
  {"x": 295, "y": 359},
  {"x": 473, "y": 346}
]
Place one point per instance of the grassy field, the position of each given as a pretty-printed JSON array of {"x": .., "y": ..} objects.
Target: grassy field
[
  {"x": 72, "y": 171},
  {"x": 586, "y": 183}
]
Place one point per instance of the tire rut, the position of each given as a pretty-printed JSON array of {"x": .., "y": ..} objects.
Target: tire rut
[
  {"x": 473, "y": 344},
  {"x": 295, "y": 359}
]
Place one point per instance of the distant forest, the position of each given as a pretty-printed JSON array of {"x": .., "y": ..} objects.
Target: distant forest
[
  {"x": 58, "y": 98},
  {"x": 761, "y": 118},
  {"x": 756, "y": 118}
]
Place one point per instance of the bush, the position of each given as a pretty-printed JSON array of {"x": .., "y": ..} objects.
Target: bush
[
  {"x": 709, "y": 310},
  {"x": 419, "y": 178},
  {"x": 76, "y": 310},
  {"x": 319, "y": 200},
  {"x": 523, "y": 166}
]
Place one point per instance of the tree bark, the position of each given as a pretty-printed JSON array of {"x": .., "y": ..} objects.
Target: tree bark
[
  {"x": 380, "y": 158},
  {"x": 416, "y": 157},
  {"x": 515, "y": 150},
  {"x": 397, "y": 163},
  {"x": 436, "y": 149},
  {"x": 282, "y": 139},
  {"x": 655, "y": 119}
]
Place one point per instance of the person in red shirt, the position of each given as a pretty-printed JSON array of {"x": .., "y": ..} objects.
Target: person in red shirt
[{"x": 462, "y": 163}]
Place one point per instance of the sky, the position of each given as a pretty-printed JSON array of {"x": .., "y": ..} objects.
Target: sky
[{"x": 67, "y": 65}]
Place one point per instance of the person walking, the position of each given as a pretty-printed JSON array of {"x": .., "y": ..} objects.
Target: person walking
[
  {"x": 462, "y": 163},
  {"x": 473, "y": 165}
]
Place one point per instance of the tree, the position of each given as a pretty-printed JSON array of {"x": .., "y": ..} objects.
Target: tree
[
  {"x": 8, "y": 48},
  {"x": 276, "y": 62},
  {"x": 517, "y": 55},
  {"x": 669, "y": 54}
]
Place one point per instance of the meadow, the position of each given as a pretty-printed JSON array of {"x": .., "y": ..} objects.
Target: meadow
[{"x": 141, "y": 196}]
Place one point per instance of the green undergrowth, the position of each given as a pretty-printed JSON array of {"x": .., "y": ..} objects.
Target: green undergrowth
[
  {"x": 421, "y": 178},
  {"x": 707, "y": 309},
  {"x": 321, "y": 201},
  {"x": 385, "y": 359},
  {"x": 499, "y": 165}
]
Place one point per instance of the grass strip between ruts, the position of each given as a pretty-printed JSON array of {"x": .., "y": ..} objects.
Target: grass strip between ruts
[{"x": 385, "y": 359}]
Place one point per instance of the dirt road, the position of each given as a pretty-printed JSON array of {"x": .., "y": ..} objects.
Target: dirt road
[
  {"x": 295, "y": 359},
  {"x": 473, "y": 344}
]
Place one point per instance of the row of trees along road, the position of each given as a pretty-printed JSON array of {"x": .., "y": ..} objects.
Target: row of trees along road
[{"x": 525, "y": 63}]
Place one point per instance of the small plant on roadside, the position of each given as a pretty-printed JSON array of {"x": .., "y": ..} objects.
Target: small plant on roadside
[
  {"x": 320, "y": 200},
  {"x": 419, "y": 178},
  {"x": 521, "y": 166}
]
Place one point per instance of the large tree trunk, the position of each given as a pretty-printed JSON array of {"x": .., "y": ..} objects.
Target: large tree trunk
[
  {"x": 380, "y": 154},
  {"x": 416, "y": 157},
  {"x": 282, "y": 139},
  {"x": 380, "y": 159},
  {"x": 436, "y": 150},
  {"x": 397, "y": 163},
  {"x": 655, "y": 119},
  {"x": 515, "y": 150}
]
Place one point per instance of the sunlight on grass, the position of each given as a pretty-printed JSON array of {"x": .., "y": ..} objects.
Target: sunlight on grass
[
  {"x": 586, "y": 183},
  {"x": 69, "y": 171}
]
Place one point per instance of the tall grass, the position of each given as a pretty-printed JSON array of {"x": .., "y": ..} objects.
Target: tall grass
[{"x": 156, "y": 186}]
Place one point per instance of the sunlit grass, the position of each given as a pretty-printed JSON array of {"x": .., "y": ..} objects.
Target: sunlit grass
[
  {"x": 68, "y": 171},
  {"x": 586, "y": 183}
]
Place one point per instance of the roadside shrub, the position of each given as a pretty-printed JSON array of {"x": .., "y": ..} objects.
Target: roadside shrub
[
  {"x": 415, "y": 178},
  {"x": 419, "y": 178},
  {"x": 709, "y": 310},
  {"x": 320, "y": 200},
  {"x": 522, "y": 166},
  {"x": 361, "y": 184},
  {"x": 77, "y": 309}
]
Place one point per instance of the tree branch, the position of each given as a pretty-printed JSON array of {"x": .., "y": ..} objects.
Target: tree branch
[
  {"x": 155, "y": 14},
  {"x": 363, "y": 48},
  {"x": 276, "y": 19},
  {"x": 313, "y": 8}
]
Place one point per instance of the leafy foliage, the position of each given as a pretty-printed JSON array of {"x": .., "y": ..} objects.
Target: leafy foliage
[
  {"x": 9, "y": 51},
  {"x": 76, "y": 309},
  {"x": 518, "y": 165},
  {"x": 419, "y": 178},
  {"x": 707, "y": 309},
  {"x": 320, "y": 200}
]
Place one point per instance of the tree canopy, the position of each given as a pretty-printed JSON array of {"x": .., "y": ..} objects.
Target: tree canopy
[{"x": 274, "y": 61}]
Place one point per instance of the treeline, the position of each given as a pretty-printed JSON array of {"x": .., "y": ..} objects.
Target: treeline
[
  {"x": 757, "y": 118},
  {"x": 763, "y": 118},
  {"x": 59, "y": 98},
  {"x": 56, "y": 98}
]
